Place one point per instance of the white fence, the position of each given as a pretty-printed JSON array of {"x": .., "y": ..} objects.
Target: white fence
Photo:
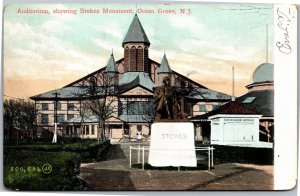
[{"x": 143, "y": 150}]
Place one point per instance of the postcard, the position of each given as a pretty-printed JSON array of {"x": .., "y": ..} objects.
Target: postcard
[{"x": 165, "y": 96}]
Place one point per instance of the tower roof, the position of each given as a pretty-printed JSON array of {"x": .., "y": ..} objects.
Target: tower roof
[
  {"x": 164, "y": 66},
  {"x": 136, "y": 32},
  {"x": 263, "y": 73},
  {"x": 111, "y": 65}
]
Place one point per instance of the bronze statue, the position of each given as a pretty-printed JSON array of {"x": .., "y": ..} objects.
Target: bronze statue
[
  {"x": 168, "y": 104},
  {"x": 164, "y": 99}
]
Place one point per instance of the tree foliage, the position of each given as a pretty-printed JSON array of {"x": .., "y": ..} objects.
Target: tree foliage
[{"x": 19, "y": 115}]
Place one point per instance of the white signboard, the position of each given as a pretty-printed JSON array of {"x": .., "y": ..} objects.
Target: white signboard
[
  {"x": 172, "y": 144},
  {"x": 236, "y": 130}
]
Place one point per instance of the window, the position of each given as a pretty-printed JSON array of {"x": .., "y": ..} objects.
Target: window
[
  {"x": 139, "y": 128},
  {"x": 44, "y": 119},
  {"x": 122, "y": 107},
  {"x": 126, "y": 58},
  {"x": 93, "y": 129},
  {"x": 126, "y": 129},
  {"x": 87, "y": 131},
  {"x": 70, "y": 116},
  {"x": 202, "y": 108},
  {"x": 67, "y": 130},
  {"x": 60, "y": 118},
  {"x": 146, "y": 68},
  {"x": 139, "y": 59},
  {"x": 139, "y": 108},
  {"x": 71, "y": 106},
  {"x": 44, "y": 106},
  {"x": 133, "y": 108},
  {"x": 249, "y": 99},
  {"x": 133, "y": 58},
  {"x": 57, "y": 105},
  {"x": 93, "y": 84},
  {"x": 214, "y": 107}
]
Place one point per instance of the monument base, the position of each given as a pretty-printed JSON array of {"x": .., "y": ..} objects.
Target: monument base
[{"x": 172, "y": 144}]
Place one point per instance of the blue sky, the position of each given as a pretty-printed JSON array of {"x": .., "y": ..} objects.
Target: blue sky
[{"x": 56, "y": 49}]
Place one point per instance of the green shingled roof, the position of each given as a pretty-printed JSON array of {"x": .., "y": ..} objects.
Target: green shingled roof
[
  {"x": 262, "y": 104},
  {"x": 164, "y": 66},
  {"x": 133, "y": 78},
  {"x": 111, "y": 65},
  {"x": 136, "y": 32}
]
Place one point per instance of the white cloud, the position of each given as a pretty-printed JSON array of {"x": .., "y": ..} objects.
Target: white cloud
[
  {"x": 112, "y": 29},
  {"x": 54, "y": 26},
  {"x": 188, "y": 23},
  {"x": 220, "y": 51},
  {"x": 108, "y": 46},
  {"x": 43, "y": 56}
]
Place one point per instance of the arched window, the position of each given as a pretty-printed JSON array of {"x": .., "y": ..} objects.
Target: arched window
[
  {"x": 146, "y": 66},
  {"x": 139, "y": 59},
  {"x": 133, "y": 58},
  {"x": 126, "y": 58}
]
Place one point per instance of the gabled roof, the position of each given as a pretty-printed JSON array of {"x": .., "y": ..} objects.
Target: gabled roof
[
  {"x": 75, "y": 92},
  {"x": 262, "y": 104},
  {"x": 180, "y": 75},
  {"x": 164, "y": 66},
  {"x": 231, "y": 107},
  {"x": 207, "y": 94},
  {"x": 95, "y": 73},
  {"x": 136, "y": 33},
  {"x": 131, "y": 79},
  {"x": 111, "y": 66},
  {"x": 63, "y": 93}
]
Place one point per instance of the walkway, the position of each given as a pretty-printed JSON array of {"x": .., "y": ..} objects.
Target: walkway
[{"x": 115, "y": 174}]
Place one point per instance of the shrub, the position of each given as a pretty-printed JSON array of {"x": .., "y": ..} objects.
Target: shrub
[
  {"x": 65, "y": 161},
  {"x": 236, "y": 154},
  {"x": 65, "y": 169}
]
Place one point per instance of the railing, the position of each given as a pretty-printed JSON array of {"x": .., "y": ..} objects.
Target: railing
[{"x": 141, "y": 154}]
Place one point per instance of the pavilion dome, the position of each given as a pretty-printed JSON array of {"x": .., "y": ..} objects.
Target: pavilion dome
[{"x": 264, "y": 73}]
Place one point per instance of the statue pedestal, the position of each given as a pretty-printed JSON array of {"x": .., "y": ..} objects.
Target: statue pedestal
[{"x": 172, "y": 144}]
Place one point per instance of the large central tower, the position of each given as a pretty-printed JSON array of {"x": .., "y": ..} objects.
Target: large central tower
[{"x": 136, "y": 44}]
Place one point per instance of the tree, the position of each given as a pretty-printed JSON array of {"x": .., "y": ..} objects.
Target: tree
[
  {"x": 100, "y": 97},
  {"x": 19, "y": 115},
  {"x": 84, "y": 113}
]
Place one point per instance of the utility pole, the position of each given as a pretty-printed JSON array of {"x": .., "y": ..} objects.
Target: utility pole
[{"x": 54, "y": 140}]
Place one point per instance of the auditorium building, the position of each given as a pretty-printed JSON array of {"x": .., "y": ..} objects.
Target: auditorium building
[{"x": 127, "y": 85}]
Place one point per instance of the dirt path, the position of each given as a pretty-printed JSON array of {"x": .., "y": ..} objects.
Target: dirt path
[{"x": 115, "y": 174}]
